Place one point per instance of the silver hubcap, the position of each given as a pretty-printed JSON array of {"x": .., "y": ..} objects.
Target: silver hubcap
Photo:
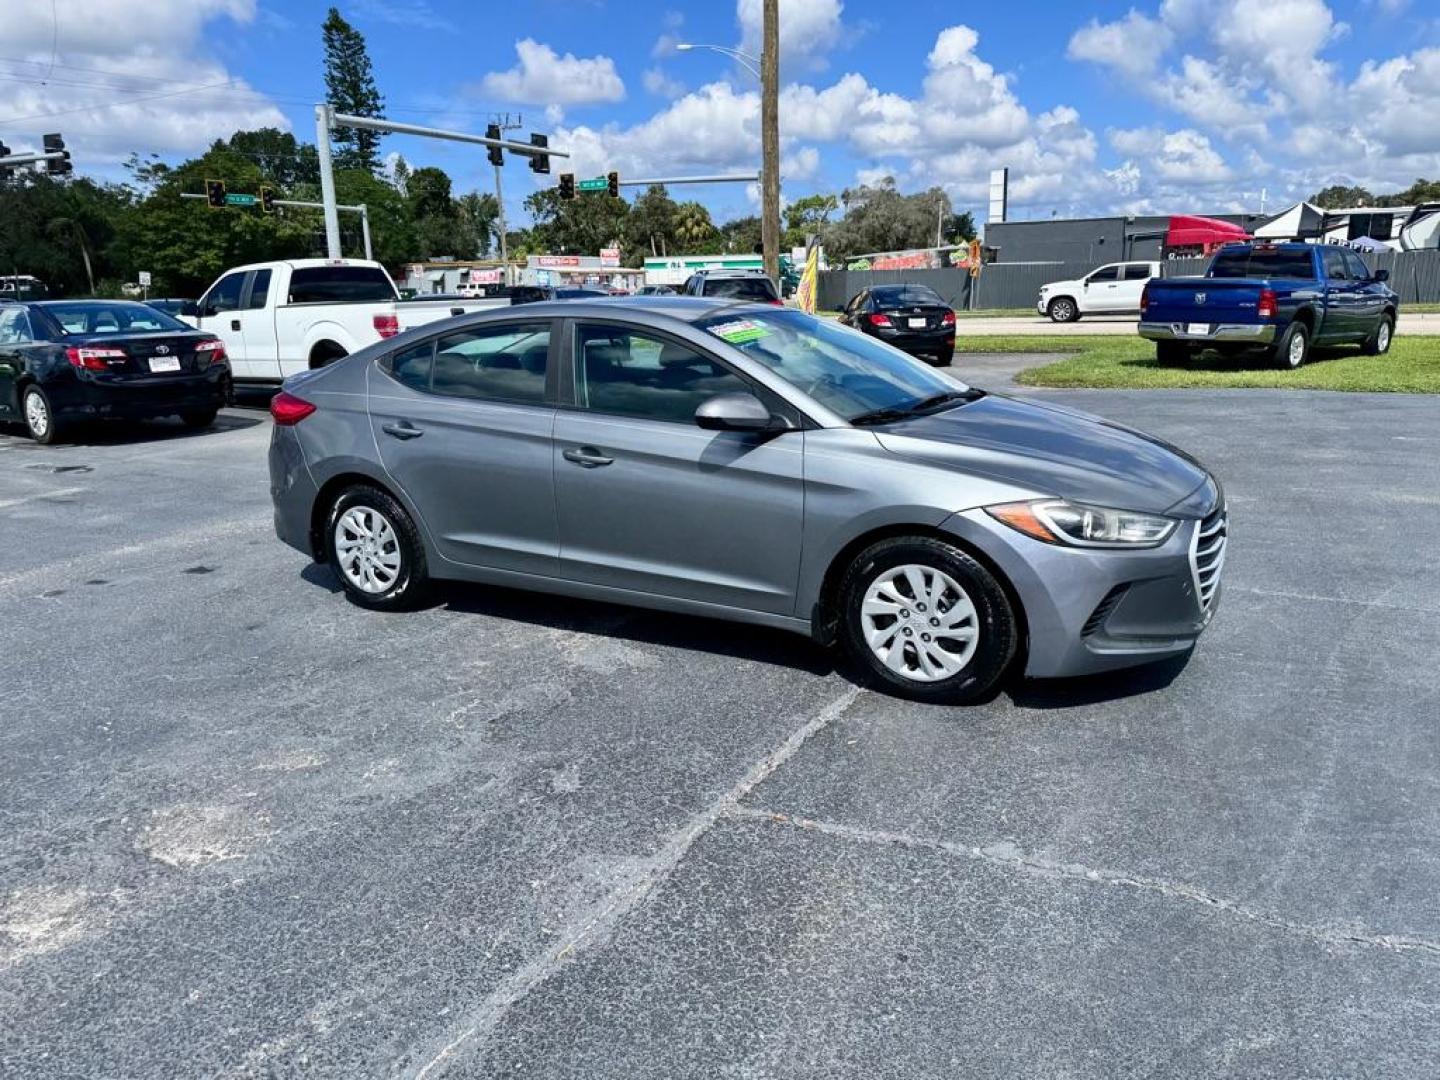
[
  {"x": 919, "y": 623},
  {"x": 37, "y": 416},
  {"x": 1062, "y": 311},
  {"x": 367, "y": 549},
  {"x": 1383, "y": 341},
  {"x": 1297, "y": 349}
]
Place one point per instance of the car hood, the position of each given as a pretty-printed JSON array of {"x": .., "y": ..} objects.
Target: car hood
[{"x": 1056, "y": 451}]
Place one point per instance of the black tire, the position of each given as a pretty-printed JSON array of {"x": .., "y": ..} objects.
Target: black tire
[
  {"x": 47, "y": 431},
  {"x": 1378, "y": 344},
  {"x": 1063, "y": 309},
  {"x": 326, "y": 354},
  {"x": 993, "y": 618},
  {"x": 1172, "y": 353},
  {"x": 199, "y": 419},
  {"x": 1285, "y": 354},
  {"x": 411, "y": 580},
  {"x": 944, "y": 357}
]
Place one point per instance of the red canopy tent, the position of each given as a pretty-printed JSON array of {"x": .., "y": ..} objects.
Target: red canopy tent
[{"x": 1205, "y": 233}]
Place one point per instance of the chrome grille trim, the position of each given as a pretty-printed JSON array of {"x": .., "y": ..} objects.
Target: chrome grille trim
[{"x": 1207, "y": 556}]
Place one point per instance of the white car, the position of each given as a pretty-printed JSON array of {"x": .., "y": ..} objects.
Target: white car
[
  {"x": 281, "y": 318},
  {"x": 1113, "y": 289}
]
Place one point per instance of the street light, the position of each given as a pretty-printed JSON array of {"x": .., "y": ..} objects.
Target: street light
[{"x": 748, "y": 62}]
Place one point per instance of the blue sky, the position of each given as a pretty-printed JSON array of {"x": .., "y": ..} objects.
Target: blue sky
[{"x": 1163, "y": 105}]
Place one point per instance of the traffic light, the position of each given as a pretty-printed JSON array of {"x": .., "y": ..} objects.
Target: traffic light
[
  {"x": 540, "y": 162},
  {"x": 267, "y": 200},
  {"x": 215, "y": 194},
  {"x": 567, "y": 185},
  {"x": 612, "y": 181},
  {"x": 495, "y": 154},
  {"x": 54, "y": 144}
]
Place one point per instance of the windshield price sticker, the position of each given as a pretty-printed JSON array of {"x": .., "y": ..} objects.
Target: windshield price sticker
[{"x": 739, "y": 332}]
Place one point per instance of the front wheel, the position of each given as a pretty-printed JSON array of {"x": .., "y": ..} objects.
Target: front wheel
[
  {"x": 375, "y": 550},
  {"x": 1378, "y": 343},
  {"x": 1063, "y": 309},
  {"x": 1294, "y": 347},
  {"x": 39, "y": 416},
  {"x": 923, "y": 620}
]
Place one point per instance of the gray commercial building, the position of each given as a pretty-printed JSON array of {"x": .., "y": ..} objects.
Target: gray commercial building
[{"x": 1090, "y": 240}]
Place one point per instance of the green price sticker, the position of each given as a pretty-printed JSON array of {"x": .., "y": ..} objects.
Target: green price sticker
[{"x": 739, "y": 332}]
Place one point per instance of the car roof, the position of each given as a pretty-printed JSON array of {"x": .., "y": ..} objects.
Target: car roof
[
  {"x": 729, "y": 271},
  {"x": 685, "y": 308}
]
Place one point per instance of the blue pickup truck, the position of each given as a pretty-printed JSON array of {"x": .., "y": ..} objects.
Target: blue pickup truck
[{"x": 1277, "y": 298}]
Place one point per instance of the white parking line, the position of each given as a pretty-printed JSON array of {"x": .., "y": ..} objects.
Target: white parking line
[{"x": 6, "y": 504}]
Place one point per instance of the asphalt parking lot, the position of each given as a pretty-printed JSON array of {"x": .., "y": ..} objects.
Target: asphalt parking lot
[{"x": 249, "y": 829}]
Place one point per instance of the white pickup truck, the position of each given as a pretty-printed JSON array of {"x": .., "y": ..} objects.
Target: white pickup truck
[
  {"x": 1113, "y": 289},
  {"x": 280, "y": 318}
]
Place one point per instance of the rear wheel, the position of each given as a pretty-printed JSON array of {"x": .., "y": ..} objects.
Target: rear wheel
[
  {"x": 1378, "y": 343},
  {"x": 199, "y": 419},
  {"x": 1063, "y": 309},
  {"x": 945, "y": 356},
  {"x": 39, "y": 416},
  {"x": 1294, "y": 347},
  {"x": 375, "y": 550},
  {"x": 1172, "y": 352},
  {"x": 923, "y": 620}
]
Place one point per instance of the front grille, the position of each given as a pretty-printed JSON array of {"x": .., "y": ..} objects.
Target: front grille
[{"x": 1207, "y": 556}]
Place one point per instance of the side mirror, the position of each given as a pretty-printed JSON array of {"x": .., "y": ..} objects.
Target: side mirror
[
  {"x": 190, "y": 308},
  {"x": 1382, "y": 275},
  {"x": 737, "y": 412}
]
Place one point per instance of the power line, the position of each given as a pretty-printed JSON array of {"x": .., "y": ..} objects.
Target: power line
[{"x": 106, "y": 105}]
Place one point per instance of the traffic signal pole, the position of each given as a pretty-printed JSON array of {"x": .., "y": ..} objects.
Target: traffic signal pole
[
  {"x": 324, "y": 120},
  {"x": 358, "y": 208}
]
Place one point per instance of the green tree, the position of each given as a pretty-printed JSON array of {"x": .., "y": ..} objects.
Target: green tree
[
  {"x": 650, "y": 225},
  {"x": 433, "y": 215},
  {"x": 960, "y": 228},
  {"x": 1422, "y": 191},
  {"x": 282, "y": 159},
  {"x": 578, "y": 226},
  {"x": 879, "y": 218},
  {"x": 61, "y": 231},
  {"x": 1337, "y": 196},
  {"x": 478, "y": 214},
  {"x": 741, "y": 236},
  {"x": 807, "y": 216},
  {"x": 350, "y": 88},
  {"x": 392, "y": 235},
  {"x": 693, "y": 228},
  {"x": 400, "y": 175}
]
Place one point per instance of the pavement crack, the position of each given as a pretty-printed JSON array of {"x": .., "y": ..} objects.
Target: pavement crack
[
  {"x": 597, "y": 922},
  {"x": 1011, "y": 856}
]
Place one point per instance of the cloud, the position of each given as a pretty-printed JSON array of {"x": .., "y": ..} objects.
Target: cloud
[
  {"x": 664, "y": 46},
  {"x": 412, "y": 14},
  {"x": 544, "y": 77},
  {"x": 809, "y": 29},
  {"x": 1183, "y": 157},
  {"x": 1133, "y": 44},
  {"x": 120, "y": 84},
  {"x": 661, "y": 85}
]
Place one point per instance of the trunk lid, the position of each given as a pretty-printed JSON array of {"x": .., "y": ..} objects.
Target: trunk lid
[
  {"x": 902, "y": 314},
  {"x": 166, "y": 352},
  {"x": 1204, "y": 300}
]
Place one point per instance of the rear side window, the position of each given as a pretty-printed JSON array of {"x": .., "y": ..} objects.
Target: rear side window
[
  {"x": 1137, "y": 272},
  {"x": 504, "y": 362},
  {"x": 14, "y": 326},
  {"x": 746, "y": 288},
  {"x": 340, "y": 284},
  {"x": 1252, "y": 263},
  {"x": 411, "y": 367},
  {"x": 1335, "y": 266}
]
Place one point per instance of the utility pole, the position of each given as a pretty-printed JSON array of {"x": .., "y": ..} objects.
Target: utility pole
[
  {"x": 504, "y": 123},
  {"x": 323, "y": 122},
  {"x": 770, "y": 139}
]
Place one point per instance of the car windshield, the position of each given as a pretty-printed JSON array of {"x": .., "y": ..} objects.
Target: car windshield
[
  {"x": 118, "y": 317},
  {"x": 741, "y": 288},
  {"x": 1255, "y": 263},
  {"x": 906, "y": 295},
  {"x": 850, "y": 374}
]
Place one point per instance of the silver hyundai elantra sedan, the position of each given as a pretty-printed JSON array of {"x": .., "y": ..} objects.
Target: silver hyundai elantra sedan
[{"x": 752, "y": 463}]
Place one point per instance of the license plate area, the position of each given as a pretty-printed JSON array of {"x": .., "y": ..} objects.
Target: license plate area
[
  {"x": 164, "y": 363},
  {"x": 1197, "y": 329},
  {"x": 918, "y": 324}
]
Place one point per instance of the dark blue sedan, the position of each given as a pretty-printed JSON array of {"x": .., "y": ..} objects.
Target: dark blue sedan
[{"x": 67, "y": 361}]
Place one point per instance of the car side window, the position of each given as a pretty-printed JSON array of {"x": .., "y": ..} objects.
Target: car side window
[
  {"x": 411, "y": 367},
  {"x": 1334, "y": 261},
  {"x": 1137, "y": 271},
  {"x": 224, "y": 295},
  {"x": 259, "y": 289},
  {"x": 1105, "y": 273},
  {"x": 496, "y": 362},
  {"x": 1358, "y": 270},
  {"x": 625, "y": 372},
  {"x": 14, "y": 326}
]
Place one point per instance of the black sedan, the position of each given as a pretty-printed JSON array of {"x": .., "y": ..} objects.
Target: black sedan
[
  {"x": 910, "y": 317},
  {"x": 67, "y": 361}
]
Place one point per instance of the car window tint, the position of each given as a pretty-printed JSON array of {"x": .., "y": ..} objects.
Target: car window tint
[
  {"x": 329, "y": 284},
  {"x": 746, "y": 288},
  {"x": 906, "y": 295},
  {"x": 626, "y": 373},
  {"x": 411, "y": 367},
  {"x": 1259, "y": 263},
  {"x": 1358, "y": 270},
  {"x": 504, "y": 362},
  {"x": 1335, "y": 268},
  {"x": 259, "y": 289},
  {"x": 1106, "y": 273},
  {"x": 14, "y": 326},
  {"x": 1137, "y": 272},
  {"x": 224, "y": 296}
]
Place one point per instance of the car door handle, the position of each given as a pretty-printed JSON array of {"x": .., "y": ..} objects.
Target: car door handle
[
  {"x": 587, "y": 457},
  {"x": 402, "y": 431},
  {"x": 234, "y": 324}
]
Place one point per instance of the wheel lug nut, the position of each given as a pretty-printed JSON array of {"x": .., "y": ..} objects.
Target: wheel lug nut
[
  {"x": 924, "y": 637},
  {"x": 934, "y": 621},
  {"x": 904, "y": 613},
  {"x": 908, "y": 631},
  {"x": 920, "y": 607}
]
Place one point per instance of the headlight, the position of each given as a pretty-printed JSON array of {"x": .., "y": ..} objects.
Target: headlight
[{"x": 1056, "y": 521}]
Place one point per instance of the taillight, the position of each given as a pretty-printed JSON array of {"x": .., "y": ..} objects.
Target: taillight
[
  {"x": 287, "y": 409},
  {"x": 778, "y": 303},
  {"x": 1144, "y": 299},
  {"x": 386, "y": 326},
  {"x": 948, "y": 319},
  {"x": 93, "y": 359},
  {"x": 1268, "y": 304},
  {"x": 878, "y": 319},
  {"x": 210, "y": 352}
]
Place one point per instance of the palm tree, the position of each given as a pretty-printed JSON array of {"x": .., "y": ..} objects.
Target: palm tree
[{"x": 692, "y": 224}]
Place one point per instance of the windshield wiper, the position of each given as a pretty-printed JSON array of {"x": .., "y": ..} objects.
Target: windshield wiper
[
  {"x": 879, "y": 416},
  {"x": 915, "y": 408}
]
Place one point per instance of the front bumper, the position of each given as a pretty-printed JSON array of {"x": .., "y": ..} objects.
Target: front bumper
[
  {"x": 1093, "y": 610},
  {"x": 1217, "y": 333},
  {"x": 143, "y": 398}
]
